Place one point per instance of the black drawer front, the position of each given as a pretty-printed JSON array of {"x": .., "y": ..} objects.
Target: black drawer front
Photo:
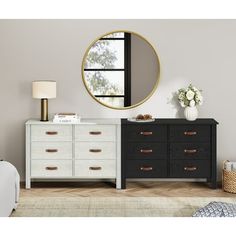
[
  {"x": 190, "y": 133},
  {"x": 146, "y": 151},
  {"x": 146, "y": 133},
  {"x": 188, "y": 151},
  {"x": 146, "y": 168},
  {"x": 190, "y": 169}
]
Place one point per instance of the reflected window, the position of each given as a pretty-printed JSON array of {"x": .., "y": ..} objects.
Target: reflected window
[{"x": 107, "y": 69}]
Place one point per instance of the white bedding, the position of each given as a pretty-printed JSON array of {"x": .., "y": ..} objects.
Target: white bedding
[{"x": 9, "y": 188}]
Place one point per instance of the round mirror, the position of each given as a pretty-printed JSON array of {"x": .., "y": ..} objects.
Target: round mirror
[{"x": 121, "y": 70}]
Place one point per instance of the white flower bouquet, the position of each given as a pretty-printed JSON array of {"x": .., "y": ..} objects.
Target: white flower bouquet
[{"x": 190, "y": 96}]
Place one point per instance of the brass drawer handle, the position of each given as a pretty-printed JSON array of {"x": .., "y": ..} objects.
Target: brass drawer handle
[
  {"x": 146, "y": 133},
  {"x": 95, "y": 132},
  {"x": 190, "y": 168},
  {"x": 190, "y": 151},
  {"x": 51, "y": 168},
  {"x": 51, "y": 132},
  {"x": 146, "y": 150},
  {"x": 95, "y": 150},
  {"x": 147, "y": 168},
  {"x": 190, "y": 133},
  {"x": 95, "y": 168},
  {"x": 51, "y": 150}
]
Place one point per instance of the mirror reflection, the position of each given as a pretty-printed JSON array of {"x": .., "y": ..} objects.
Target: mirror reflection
[{"x": 121, "y": 70}]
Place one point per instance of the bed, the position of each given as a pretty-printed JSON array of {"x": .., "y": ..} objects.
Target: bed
[{"x": 9, "y": 188}]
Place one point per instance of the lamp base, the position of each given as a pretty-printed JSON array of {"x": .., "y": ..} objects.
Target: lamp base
[{"x": 44, "y": 109}]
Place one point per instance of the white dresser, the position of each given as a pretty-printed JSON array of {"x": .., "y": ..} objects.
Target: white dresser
[{"x": 88, "y": 150}]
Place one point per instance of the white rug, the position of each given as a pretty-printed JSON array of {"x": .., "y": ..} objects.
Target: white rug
[{"x": 112, "y": 206}]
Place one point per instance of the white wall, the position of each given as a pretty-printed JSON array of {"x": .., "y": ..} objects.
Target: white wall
[{"x": 202, "y": 52}]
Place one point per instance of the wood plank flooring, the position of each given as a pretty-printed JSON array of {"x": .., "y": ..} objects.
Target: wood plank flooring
[{"x": 134, "y": 189}]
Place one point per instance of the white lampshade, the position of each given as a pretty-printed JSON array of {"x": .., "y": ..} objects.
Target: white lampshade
[{"x": 44, "y": 89}]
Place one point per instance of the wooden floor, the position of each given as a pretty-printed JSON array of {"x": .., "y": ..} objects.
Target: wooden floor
[{"x": 134, "y": 189}]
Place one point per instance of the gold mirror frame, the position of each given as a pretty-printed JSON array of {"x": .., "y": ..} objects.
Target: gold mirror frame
[{"x": 137, "y": 104}]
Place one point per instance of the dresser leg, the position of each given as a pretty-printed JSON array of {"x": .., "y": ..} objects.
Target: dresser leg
[
  {"x": 213, "y": 184},
  {"x": 118, "y": 183},
  {"x": 123, "y": 183},
  {"x": 27, "y": 184}
]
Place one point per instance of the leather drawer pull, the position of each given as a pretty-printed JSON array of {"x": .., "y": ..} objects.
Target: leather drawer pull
[
  {"x": 95, "y": 150},
  {"x": 51, "y": 150},
  {"x": 95, "y": 132},
  {"x": 51, "y": 132},
  {"x": 146, "y": 133},
  {"x": 146, "y": 150},
  {"x": 190, "y": 151},
  {"x": 147, "y": 168},
  {"x": 95, "y": 168},
  {"x": 192, "y": 168},
  {"x": 190, "y": 133},
  {"x": 51, "y": 168}
]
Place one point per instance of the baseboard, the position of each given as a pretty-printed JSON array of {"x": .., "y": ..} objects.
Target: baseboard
[{"x": 72, "y": 182}]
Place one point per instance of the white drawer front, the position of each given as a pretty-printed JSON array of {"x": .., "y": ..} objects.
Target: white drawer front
[
  {"x": 49, "y": 168},
  {"x": 95, "y": 133},
  {"x": 51, "y": 133},
  {"x": 95, "y": 169},
  {"x": 51, "y": 150},
  {"x": 95, "y": 150}
]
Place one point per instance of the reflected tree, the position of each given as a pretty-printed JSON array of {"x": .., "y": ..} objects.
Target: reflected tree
[{"x": 101, "y": 56}]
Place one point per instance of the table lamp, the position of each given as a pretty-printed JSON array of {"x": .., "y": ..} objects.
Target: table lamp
[{"x": 44, "y": 90}]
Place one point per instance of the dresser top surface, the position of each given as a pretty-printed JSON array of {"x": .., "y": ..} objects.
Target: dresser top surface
[
  {"x": 115, "y": 121},
  {"x": 174, "y": 121},
  {"x": 84, "y": 121}
]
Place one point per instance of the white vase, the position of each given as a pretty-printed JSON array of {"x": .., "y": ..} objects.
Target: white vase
[{"x": 191, "y": 113}]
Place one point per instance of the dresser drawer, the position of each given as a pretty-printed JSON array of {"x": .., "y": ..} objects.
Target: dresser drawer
[
  {"x": 145, "y": 168},
  {"x": 95, "y": 133},
  {"x": 190, "y": 169},
  {"x": 146, "y": 133},
  {"x": 51, "y": 150},
  {"x": 144, "y": 151},
  {"x": 95, "y": 168},
  {"x": 190, "y": 133},
  {"x": 50, "y": 168},
  {"x": 95, "y": 150},
  {"x": 190, "y": 151},
  {"x": 51, "y": 133}
]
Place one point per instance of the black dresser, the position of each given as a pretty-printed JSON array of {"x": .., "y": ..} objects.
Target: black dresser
[{"x": 169, "y": 148}]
